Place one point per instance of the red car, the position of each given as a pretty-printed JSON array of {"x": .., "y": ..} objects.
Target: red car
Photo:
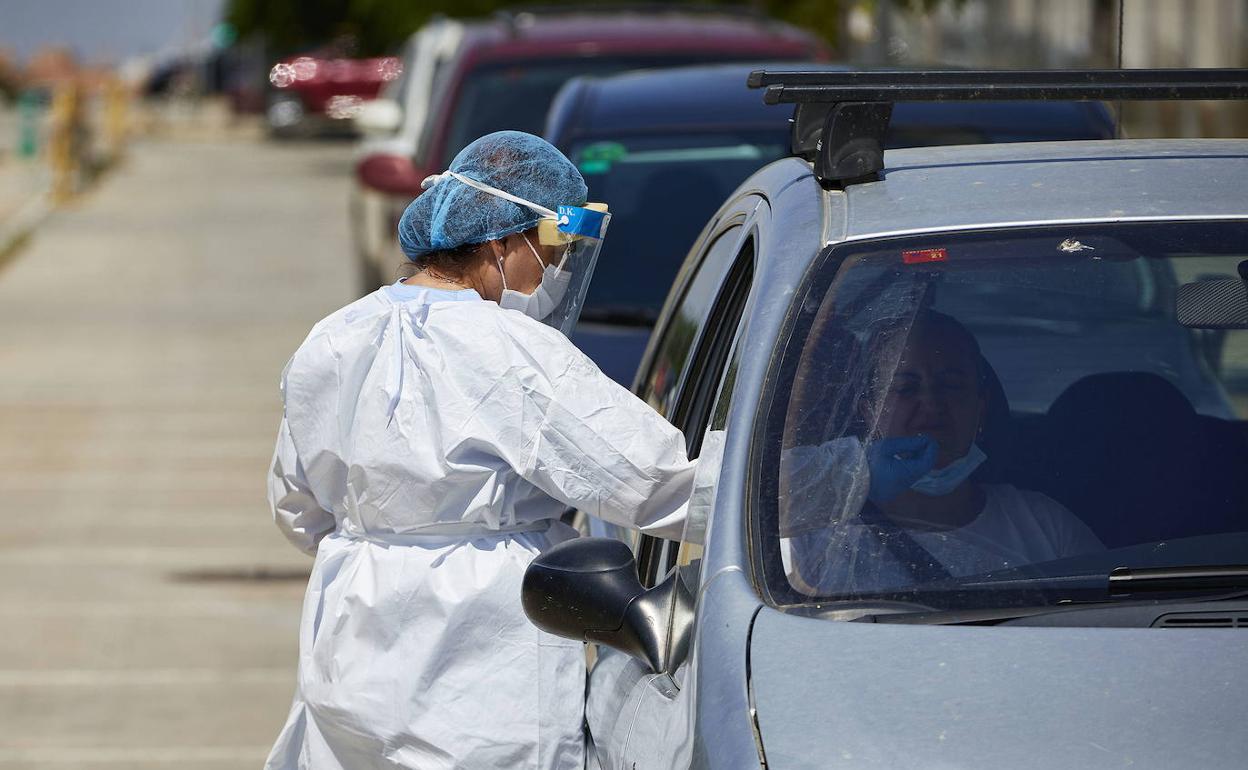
[
  {"x": 317, "y": 92},
  {"x": 504, "y": 73}
]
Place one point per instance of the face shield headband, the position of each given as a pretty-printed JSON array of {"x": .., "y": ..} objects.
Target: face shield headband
[
  {"x": 557, "y": 227},
  {"x": 577, "y": 231}
]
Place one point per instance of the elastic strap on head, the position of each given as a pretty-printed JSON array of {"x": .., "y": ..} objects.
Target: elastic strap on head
[{"x": 485, "y": 188}]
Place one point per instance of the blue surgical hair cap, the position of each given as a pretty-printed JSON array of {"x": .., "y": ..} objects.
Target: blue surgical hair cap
[{"x": 450, "y": 213}]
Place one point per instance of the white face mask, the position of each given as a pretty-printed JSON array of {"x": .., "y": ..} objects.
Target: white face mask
[
  {"x": 548, "y": 294},
  {"x": 942, "y": 481}
]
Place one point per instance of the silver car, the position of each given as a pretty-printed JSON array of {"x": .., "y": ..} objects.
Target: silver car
[{"x": 1073, "y": 606}]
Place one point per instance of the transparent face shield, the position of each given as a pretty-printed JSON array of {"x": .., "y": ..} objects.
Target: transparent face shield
[
  {"x": 567, "y": 246},
  {"x": 571, "y": 244}
]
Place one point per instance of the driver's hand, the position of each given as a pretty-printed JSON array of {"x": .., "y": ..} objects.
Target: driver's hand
[{"x": 896, "y": 463}]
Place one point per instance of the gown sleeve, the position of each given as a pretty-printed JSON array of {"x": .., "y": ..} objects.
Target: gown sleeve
[
  {"x": 295, "y": 510},
  {"x": 588, "y": 442}
]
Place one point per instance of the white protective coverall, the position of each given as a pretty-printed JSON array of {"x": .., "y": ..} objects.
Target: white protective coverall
[{"x": 430, "y": 442}]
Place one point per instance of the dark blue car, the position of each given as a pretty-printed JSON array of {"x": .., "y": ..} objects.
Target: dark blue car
[{"x": 666, "y": 147}]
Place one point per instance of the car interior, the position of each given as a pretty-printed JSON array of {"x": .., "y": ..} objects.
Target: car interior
[
  {"x": 1127, "y": 453},
  {"x": 1125, "y": 450}
]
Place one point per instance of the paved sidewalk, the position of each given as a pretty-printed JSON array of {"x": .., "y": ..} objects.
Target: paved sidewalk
[{"x": 149, "y": 607}]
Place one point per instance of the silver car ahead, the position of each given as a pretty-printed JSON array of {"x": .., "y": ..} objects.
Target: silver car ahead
[{"x": 812, "y": 622}]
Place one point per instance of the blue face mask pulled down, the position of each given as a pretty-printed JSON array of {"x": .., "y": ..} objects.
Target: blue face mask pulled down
[{"x": 942, "y": 481}]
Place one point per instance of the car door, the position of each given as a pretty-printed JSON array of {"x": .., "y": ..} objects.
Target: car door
[{"x": 636, "y": 717}]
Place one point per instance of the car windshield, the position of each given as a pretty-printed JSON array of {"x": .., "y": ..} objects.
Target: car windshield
[
  {"x": 662, "y": 189},
  {"x": 516, "y": 95},
  {"x": 983, "y": 420}
]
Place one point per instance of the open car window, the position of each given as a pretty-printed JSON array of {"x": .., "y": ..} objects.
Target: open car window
[
  {"x": 957, "y": 407},
  {"x": 689, "y": 364}
]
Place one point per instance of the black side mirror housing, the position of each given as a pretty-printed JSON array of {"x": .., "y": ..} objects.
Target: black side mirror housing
[{"x": 587, "y": 589}]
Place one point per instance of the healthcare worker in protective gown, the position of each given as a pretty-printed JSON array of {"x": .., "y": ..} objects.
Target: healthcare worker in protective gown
[{"x": 434, "y": 432}]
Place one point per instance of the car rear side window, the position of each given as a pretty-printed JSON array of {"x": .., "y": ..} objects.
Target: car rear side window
[
  {"x": 669, "y": 183},
  {"x": 516, "y": 95}
]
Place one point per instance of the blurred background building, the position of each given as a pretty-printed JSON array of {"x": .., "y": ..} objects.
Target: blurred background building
[
  {"x": 196, "y": 47},
  {"x": 1066, "y": 33}
]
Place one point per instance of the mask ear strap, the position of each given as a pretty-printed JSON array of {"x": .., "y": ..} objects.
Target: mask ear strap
[
  {"x": 501, "y": 272},
  {"x": 542, "y": 265}
]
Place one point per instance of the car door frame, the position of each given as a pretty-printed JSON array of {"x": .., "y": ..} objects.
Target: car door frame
[
  {"x": 650, "y": 710},
  {"x": 742, "y": 212}
]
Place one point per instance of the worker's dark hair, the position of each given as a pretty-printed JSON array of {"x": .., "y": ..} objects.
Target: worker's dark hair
[{"x": 446, "y": 261}]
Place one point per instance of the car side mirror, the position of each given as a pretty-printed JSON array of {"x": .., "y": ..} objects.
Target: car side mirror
[
  {"x": 587, "y": 589},
  {"x": 379, "y": 117}
]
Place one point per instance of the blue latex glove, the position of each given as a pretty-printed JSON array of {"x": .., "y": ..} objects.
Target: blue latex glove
[{"x": 898, "y": 462}]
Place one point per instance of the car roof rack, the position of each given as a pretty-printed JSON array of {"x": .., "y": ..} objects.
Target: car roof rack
[{"x": 841, "y": 118}]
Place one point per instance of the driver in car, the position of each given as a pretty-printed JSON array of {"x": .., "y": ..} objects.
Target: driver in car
[{"x": 924, "y": 518}]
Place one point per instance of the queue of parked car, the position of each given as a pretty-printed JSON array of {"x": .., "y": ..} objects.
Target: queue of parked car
[
  {"x": 466, "y": 79},
  {"x": 756, "y": 255},
  {"x": 555, "y": 74},
  {"x": 666, "y": 147}
]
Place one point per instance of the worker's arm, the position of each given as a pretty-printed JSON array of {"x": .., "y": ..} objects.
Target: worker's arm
[{"x": 295, "y": 510}]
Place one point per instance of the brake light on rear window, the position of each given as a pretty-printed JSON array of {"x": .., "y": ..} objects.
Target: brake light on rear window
[{"x": 920, "y": 256}]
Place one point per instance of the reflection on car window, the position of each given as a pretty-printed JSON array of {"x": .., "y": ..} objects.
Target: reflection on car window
[
  {"x": 670, "y": 184},
  {"x": 672, "y": 356},
  {"x": 517, "y": 94},
  {"x": 966, "y": 408}
]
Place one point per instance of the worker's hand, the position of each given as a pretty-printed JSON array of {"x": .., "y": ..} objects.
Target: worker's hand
[{"x": 896, "y": 463}]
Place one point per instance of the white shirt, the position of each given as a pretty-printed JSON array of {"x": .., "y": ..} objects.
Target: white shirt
[{"x": 1015, "y": 528}]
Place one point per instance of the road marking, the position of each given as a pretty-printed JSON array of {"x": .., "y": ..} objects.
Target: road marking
[
  {"x": 168, "y": 756},
  {"x": 152, "y": 677},
  {"x": 272, "y": 608},
  {"x": 222, "y": 482},
  {"x": 169, "y": 557}
]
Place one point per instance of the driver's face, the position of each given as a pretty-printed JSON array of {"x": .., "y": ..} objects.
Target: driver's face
[{"x": 934, "y": 392}]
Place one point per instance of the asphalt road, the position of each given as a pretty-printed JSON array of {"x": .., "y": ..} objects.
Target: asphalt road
[{"x": 148, "y": 607}]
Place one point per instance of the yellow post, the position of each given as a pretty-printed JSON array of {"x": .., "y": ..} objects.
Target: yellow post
[
  {"x": 62, "y": 138},
  {"x": 116, "y": 118}
]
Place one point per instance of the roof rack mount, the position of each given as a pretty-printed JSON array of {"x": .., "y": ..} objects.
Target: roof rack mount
[{"x": 841, "y": 118}]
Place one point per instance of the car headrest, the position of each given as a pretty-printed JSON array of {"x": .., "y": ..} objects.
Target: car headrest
[
  {"x": 1125, "y": 455},
  {"x": 1131, "y": 404}
]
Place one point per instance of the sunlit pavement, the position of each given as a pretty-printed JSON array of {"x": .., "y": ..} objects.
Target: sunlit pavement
[{"x": 148, "y": 607}]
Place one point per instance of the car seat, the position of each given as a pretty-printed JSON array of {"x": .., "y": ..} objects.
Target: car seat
[{"x": 1123, "y": 453}]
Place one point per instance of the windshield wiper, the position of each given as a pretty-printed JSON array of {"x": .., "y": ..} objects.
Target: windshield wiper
[{"x": 1125, "y": 580}]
